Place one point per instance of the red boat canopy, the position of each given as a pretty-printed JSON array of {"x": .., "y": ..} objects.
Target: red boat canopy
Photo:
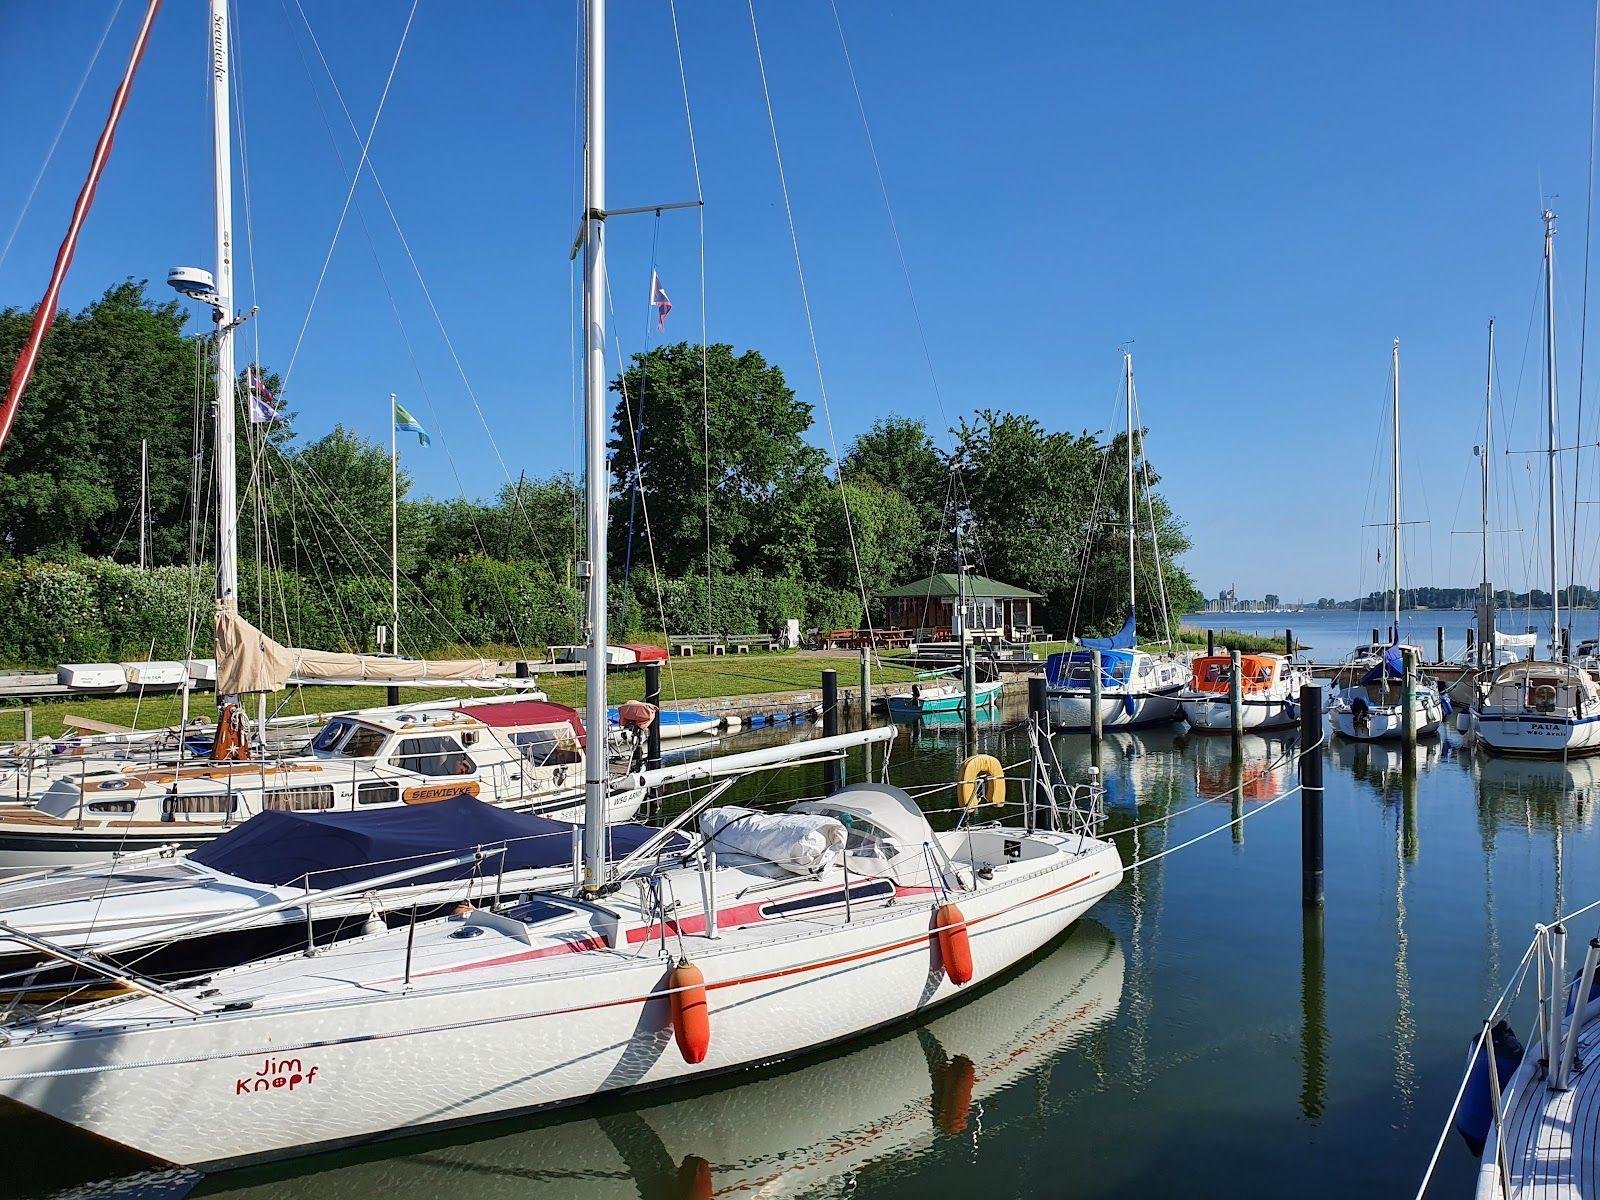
[
  {"x": 526, "y": 712},
  {"x": 645, "y": 652}
]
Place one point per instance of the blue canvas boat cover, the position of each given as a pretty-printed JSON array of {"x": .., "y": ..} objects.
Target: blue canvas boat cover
[
  {"x": 278, "y": 848},
  {"x": 1125, "y": 638},
  {"x": 1390, "y": 666},
  {"x": 1115, "y": 666}
]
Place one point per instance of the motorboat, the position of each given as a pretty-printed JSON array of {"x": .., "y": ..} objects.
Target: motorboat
[
  {"x": 1269, "y": 692},
  {"x": 922, "y": 700},
  {"x": 1539, "y": 709},
  {"x": 520, "y": 754},
  {"x": 1136, "y": 688}
]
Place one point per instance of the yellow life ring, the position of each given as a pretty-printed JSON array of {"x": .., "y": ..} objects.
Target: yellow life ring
[{"x": 987, "y": 768}]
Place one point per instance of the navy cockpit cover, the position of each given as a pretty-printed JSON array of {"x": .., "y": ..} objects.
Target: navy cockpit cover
[
  {"x": 1390, "y": 666},
  {"x": 278, "y": 848},
  {"x": 1125, "y": 638}
]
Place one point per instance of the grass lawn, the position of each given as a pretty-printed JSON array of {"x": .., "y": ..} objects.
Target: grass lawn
[{"x": 682, "y": 679}]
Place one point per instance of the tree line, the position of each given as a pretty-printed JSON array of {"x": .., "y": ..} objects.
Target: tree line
[{"x": 714, "y": 479}]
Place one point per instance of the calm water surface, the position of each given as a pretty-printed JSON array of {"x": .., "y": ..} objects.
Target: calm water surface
[
  {"x": 1333, "y": 633},
  {"x": 1198, "y": 1036}
]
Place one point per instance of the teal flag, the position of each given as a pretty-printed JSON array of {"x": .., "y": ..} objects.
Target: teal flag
[{"x": 406, "y": 423}]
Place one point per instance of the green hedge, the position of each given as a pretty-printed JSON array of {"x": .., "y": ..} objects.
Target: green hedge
[{"x": 91, "y": 610}]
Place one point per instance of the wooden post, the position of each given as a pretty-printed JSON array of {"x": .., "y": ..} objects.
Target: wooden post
[
  {"x": 1288, "y": 643},
  {"x": 866, "y": 688},
  {"x": 522, "y": 669},
  {"x": 391, "y": 696},
  {"x": 1211, "y": 642},
  {"x": 969, "y": 684},
  {"x": 1472, "y": 645},
  {"x": 1236, "y": 790},
  {"x": 1235, "y": 697},
  {"x": 1311, "y": 831},
  {"x": 1439, "y": 658},
  {"x": 652, "y": 695},
  {"x": 1037, "y": 704},
  {"x": 1094, "y": 695},
  {"x": 1408, "y": 703},
  {"x": 830, "y": 728}
]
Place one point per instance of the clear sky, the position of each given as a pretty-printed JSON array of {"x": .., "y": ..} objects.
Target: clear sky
[{"x": 1261, "y": 195}]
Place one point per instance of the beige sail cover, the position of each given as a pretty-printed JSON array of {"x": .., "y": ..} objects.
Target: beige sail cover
[{"x": 250, "y": 661}]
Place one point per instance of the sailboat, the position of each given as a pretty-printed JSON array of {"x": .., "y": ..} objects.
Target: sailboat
[
  {"x": 775, "y": 934},
  {"x": 1373, "y": 708},
  {"x": 1543, "y": 709},
  {"x": 1136, "y": 687}
]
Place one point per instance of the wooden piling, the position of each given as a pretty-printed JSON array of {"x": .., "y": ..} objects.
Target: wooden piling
[
  {"x": 1312, "y": 844},
  {"x": 391, "y": 696},
  {"x": 1095, "y": 689},
  {"x": 1037, "y": 705},
  {"x": 1439, "y": 657},
  {"x": 1211, "y": 642},
  {"x": 1288, "y": 642},
  {"x": 969, "y": 685},
  {"x": 866, "y": 688},
  {"x": 1235, "y": 697},
  {"x": 522, "y": 669},
  {"x": 830, "y": 728},
  {"x": 652, "y": 695},
  {"x": 1408, "y": 700}
]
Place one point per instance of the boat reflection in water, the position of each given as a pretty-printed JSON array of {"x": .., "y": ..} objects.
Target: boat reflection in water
[
  {"x": 1256, "y": 768},
  {"x": 793, "y": 1131}
]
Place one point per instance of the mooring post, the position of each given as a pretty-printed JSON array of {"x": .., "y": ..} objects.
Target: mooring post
[
  {"x": 1037, "y": 704},
  {"x": 1211, "y": 642},
  {"x": 652, "y": 695},
  {"x": 1311, "y": 839},
  {"x": 1408, "y": 700},
  {"x": 1374, "y": 637},
  {"x": 1235, "y": 697},
  {"x": 969, "y": 684},
  {"x": 522, "y": 669},
  {"x": 866, "y": 688},
  {"x": 830, "y": 728},
  {"x": 1288, "y": 643},
  {"x": 1472, "y": 646},
  {"x": 392, "y": 697},
  {"x": 1095, "y": 689},
  {"x": 1236, "y": 790},
  {"x": 1439, "y": 658}
]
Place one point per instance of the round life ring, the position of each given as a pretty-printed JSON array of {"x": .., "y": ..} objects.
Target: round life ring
[{"x": 987, "y": 768}]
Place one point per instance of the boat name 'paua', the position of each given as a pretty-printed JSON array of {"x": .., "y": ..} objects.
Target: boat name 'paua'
[{"x": 283, "y": 1074}]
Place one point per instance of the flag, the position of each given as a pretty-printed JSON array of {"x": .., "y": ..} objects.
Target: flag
[
  {"x": 406, "y": 423},
  {"x": 263, "y": 404},
  {"x": 659, "y": 301}
]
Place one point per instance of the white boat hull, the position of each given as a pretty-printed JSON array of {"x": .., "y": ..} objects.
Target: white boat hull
[
  {"x": 1215, "y": 716},
  {"x": 224, "y": 1089},
  {"x": 1538, "y": 736},
  {"x": 1070, "y": 711},
  {"x": 1386, "y": 722}
]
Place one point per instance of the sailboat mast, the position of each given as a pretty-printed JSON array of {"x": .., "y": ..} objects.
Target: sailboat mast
[
  {"x": 394, "y": 530},
  {"x": 1127, "y": 388},
  {"x": 598, "y": 482},
  {"x": 222, "y": 163},
  {"x": 144, "y": 498},
  {"x": 1486, "y": 622},
  {"x": 1551, "y": 426},
  {"x": 1394, "y": 555}
]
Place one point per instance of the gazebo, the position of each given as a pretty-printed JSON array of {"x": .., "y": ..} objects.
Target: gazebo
[{"x": 933, "y": 607}]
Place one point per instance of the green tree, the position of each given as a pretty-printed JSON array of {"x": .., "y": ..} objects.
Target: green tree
[
  {"x": 733, "y": 442},
  {"x": 883, "y": 536},
  {"x": 896, "y": 453}
]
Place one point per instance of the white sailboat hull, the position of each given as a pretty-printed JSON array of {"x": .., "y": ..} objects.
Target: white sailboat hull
[
  {"x": 1538, "y": 735},
  {"x": 228, "y": 1088},
  {"x": 1215, "y": 716},
  {"x": 1071, "y": 711},
  {"x": 1386, "y": 723}
]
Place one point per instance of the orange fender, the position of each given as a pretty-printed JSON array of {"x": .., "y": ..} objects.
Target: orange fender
[
  {"x": 691, "y": 1018},
  {"x": 955, "y": 950}
]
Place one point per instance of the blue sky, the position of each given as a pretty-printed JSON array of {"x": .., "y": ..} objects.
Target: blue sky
[{"x": 1261, "y": 195}]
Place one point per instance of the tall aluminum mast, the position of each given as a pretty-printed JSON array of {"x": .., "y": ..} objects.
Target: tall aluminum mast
[
  {"x": 1395, "y": 546},
  {"x": 597, "y": 479},
  {"x": 1551, "y": 425},
  {"x": 1486, "y": 623},
  {"x": 222, "y": 163},
  {"x": 1127, "y": 360}
]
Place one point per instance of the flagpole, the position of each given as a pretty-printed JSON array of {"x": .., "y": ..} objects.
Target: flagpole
[{"x": 394, "y": 529}]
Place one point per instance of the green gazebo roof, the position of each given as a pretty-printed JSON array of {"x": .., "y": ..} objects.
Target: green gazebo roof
[{"x": 946, "y": 584}]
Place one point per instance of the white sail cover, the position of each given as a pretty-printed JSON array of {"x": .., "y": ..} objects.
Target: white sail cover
[
  {"x": 250, "y": 661},
  {"x": 797, "y": 842},
  {"x": 1515, "y": 640}
]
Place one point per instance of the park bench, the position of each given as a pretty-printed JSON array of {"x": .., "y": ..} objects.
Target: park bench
[
  {"x": 687, "y": 644},
  {"x": 743, "y": 643}
]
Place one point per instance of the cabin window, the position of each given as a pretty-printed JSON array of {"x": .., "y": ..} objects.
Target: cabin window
[
  {"x": 433, "y": 756},
  {"x": 378, "y": 793},
  {"x": 547, "y": 747},
  {"x": 330, "y": 736},
  {"x": 112, "y": 806},
  {"x": 174, "y": 805},
  {"x": 363, "y": 742},
  {"x": 299, "y": 799}
]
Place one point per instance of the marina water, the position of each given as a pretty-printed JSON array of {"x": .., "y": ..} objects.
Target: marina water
[{"x": 1198, "y": 1035}]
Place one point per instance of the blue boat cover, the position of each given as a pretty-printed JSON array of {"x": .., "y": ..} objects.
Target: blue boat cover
[
  {"x": 1125, "y": 638},
  {"x": 276, "y": 848},
  {"x": 1115, "y": 666},
  {"x": 1390, "y": 666}
]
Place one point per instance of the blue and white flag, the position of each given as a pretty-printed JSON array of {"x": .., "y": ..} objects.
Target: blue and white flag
[{"x": 406, "y": 423}]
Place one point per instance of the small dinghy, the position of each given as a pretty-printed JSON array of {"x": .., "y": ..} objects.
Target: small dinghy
[
  {"x": 921, "y": 701},
  {"x": 676, "y": 722}
]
